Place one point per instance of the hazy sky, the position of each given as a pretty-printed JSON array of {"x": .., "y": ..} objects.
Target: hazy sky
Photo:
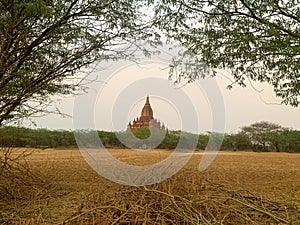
[{"x": 121, "y": 89}]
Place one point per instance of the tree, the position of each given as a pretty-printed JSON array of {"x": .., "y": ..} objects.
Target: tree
[
  {"x": 290, "y": 140},
  {"x": 264, "y": 135},
  {"x": 44, "y": 44},
  {"x": 240, "y": 141},
  {"x": 202, "y": 141},
  {"x": 254, "y": 39}
]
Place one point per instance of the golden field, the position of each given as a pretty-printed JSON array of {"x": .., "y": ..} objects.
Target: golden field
[{"x": 55, "y": 186}]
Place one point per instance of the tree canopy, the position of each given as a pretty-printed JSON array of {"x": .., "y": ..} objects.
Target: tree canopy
[
  {"x": 253, "y": 39},
  {"x": 44, "y": 44},
  {"x": 264, "y": 134}
]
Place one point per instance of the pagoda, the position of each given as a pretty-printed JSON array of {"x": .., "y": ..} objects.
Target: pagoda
[{"x": 146, "y": 119}]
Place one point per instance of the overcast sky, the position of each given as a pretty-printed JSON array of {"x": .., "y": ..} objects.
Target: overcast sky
[{"x": 121, "y": 89}]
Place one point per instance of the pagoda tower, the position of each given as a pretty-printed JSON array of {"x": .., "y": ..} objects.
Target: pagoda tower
[{"x": 146, "y": 119}]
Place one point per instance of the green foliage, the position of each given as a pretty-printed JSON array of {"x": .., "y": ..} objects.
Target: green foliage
[
  {"x": 44, "y": 44},
  {"x": 227, "y": 143},
  {"x": 262, "y": 136},
  {"x": 290, "y": 141},
  {"x": 202, "y": 141},
  {"x": 142, "y": 138},
  {"x": 265, "y": 136},
  {"x": 142, "y": 133},
  {"x": 240, "y": 141},
  {"x": 109, "y": 139},
  {"x": 170, "y": 141},
  {"x": 257, "y": 40},
  {"x": 42, "y": 138}
]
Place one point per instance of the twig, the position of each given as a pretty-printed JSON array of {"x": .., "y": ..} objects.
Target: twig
[
  {"x": 278, "y": 219},
  {"x": 88, "y": 211}
]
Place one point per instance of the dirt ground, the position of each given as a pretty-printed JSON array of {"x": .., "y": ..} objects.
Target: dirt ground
[
  {"x": 268, "y": 174},
  {"x": 62, "y": 187}
]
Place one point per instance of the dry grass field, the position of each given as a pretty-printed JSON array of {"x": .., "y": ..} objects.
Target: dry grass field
[{"x": 54, "y": 186}]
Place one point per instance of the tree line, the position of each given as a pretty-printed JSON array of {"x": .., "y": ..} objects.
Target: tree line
[{"x": 260, "y": 136}]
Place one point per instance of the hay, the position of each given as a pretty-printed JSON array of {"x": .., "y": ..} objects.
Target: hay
[
  {"x": 190, "y": 203},
  {"x": 61, "y": 189}
]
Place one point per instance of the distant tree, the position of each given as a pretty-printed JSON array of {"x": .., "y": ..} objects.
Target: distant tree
[
  {"x": 188, "y": 141},
  {"x": 290, "y": 140},
  {"x": 170, "y": 141},
  {"x": 286, "y": 140},
  {"x": 109, "y": 139},
  {"x": 227, "y": 143},
  {"x": 254, "y": 39},
  {"x": 264, "y": 135},
  {"x": 44, "y": 44},
  {"x": 202, "y": 141},
  {"x": 240, "y": 141},
  {"x": 142, "y": 133}
]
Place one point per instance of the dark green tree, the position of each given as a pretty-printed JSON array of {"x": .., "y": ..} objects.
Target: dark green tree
[
  {"x": 202, "y": 141},
  {"x": 290, "y": 141},
  {"x": 253, "y": 39},
  {"x": 240, "y": 141},
  {"x": 44, "y": 44}
]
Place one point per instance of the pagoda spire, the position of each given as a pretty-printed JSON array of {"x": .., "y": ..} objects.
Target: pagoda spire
[{"x": 147, "y": 112}]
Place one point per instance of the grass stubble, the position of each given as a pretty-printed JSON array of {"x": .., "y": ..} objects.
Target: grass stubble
[{"x": 58, "y": 187}]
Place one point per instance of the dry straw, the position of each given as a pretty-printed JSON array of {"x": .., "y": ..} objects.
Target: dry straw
[{"x": 52, "y": 192}]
